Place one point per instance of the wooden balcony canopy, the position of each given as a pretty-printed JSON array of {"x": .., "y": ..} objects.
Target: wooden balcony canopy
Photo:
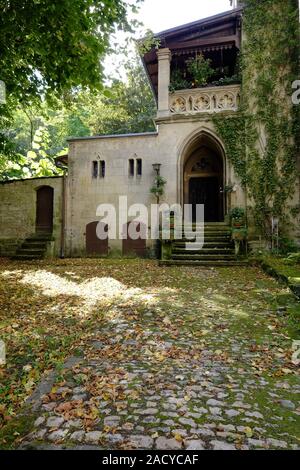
[{"x": 217, "y": 33}]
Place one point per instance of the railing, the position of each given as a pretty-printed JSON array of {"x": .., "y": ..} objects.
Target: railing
[{"x": 205, "y": 100}]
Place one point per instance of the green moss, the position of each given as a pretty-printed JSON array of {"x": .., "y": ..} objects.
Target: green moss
[
  {"x": 269, "y": 59},
  {"x": 17, "y": 427}
]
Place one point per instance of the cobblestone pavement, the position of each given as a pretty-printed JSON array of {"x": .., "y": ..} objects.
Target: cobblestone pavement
[{"x": 201, "y": 362}]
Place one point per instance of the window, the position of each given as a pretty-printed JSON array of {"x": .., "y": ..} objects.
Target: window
[
  {"x": 139, "y": 167},
  {"x": 95, "y": 170},
  {"x": 131, "y": 167},
  {"x": 102, "y": 169}
]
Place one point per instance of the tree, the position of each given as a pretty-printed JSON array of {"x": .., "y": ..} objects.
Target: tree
[
  {"x": 41, "y": 132},
  {"x": 127, "y": 107},
  {"x": 53, "y": 49},
  {"x": 55, "y": 46}
]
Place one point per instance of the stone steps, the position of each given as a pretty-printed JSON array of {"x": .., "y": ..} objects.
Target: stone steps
[
  {"x": 217, "y": 244},
  {"x": 218, "y": 248},
  {"x": 204, "y": 257},
  {"x": 204, "y": 251},
  {"x": 34, "y": 247},
  {"x": 203, "y": 263}
]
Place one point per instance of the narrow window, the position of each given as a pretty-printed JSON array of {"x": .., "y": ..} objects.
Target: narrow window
[
  {"x": 131, "y": 167},
  {"x": 102, "y": 169},
  {"x": 95, "y": 170},
  {"x": 139, "y": 167}
]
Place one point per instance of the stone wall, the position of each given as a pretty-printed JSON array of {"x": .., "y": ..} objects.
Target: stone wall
[
  {"x": 18, "y": 212},
  {"x": 167, "y": 147}
]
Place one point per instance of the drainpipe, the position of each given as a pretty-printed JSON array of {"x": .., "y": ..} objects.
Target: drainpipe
[
  {"x": 60, "y": 164},
  {"x": 63, "y": 217}
]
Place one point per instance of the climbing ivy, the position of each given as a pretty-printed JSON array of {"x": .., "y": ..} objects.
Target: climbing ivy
[{"x": 262, "y": 140}]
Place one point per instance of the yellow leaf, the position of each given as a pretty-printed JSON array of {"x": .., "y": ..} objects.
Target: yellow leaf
[{"x": 248, "y": 431}]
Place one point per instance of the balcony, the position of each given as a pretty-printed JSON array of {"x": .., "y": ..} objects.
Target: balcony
[{"x": 205, "y": 100}]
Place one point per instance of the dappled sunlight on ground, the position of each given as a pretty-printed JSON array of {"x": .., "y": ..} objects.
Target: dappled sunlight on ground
[{"x": 160, "y": 351}]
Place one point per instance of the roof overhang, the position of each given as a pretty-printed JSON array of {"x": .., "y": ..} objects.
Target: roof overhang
[{"x": 216, "y": 32}]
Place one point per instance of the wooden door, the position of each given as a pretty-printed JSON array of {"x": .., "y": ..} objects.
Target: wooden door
[
  {"x": 205, "y": 191},
  {"x": 95, "y": 246},
  {"x": 135, "y": 247},
  {"x": 44, "y": 209}
]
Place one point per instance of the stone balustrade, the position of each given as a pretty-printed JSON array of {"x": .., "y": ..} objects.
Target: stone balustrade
[{"x": 205, "y": 100}]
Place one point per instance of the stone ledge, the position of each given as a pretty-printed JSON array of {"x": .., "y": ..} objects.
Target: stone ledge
[{"x": 291, "y": 282}]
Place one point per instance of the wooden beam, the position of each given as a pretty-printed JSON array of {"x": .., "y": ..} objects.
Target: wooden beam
[
  {"x": 208, "y": 33},
  {"x": 204, "y": 42}
]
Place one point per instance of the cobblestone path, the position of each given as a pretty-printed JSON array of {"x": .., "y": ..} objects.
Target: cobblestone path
[{"x": 182, "y": 359}]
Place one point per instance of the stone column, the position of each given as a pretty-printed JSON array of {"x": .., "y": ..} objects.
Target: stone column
[{"x": 164, "y": 61}]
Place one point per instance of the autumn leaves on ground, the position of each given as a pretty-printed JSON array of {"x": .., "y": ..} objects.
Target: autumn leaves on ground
[{"x": 139, "y": 330}]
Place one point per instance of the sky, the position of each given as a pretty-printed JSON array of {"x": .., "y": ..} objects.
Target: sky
[{"x": 158, "y": 15}]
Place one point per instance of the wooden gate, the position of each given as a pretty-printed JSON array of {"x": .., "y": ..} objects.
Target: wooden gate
[
  {"x": 44, "y": 209},
  {"x": 136, "y": 247},
  {"x": 95, "y": 246}
]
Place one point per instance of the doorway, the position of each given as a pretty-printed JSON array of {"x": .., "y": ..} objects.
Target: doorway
[
  {"x": 204, "y": 182},
  {"x": 205, "y": 191},
  {"x": 44, "y": 210}
]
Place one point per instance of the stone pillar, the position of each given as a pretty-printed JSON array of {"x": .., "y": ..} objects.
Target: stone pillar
[{"x": 164, "y": 61}]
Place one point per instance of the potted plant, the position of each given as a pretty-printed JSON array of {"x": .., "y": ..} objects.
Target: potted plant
[
  {"x": 237, "y": 216},
  {"x": 200, "y": 70},
  {"x": 178, "y": 82}
]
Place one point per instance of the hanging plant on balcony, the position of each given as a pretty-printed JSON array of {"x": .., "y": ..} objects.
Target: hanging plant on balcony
[
  {"x": 178, "y": 82},
  {"x": 200, "y": 70}
]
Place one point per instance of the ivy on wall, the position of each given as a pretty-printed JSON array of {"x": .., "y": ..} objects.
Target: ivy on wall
[{"x": 262, "y": 140}]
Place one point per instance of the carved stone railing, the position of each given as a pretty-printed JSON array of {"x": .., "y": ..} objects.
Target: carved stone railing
[{"x": 205, "y": 100}]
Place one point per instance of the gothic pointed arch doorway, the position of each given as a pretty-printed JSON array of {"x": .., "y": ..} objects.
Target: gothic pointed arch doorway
[{"x": 204, "y": 178}]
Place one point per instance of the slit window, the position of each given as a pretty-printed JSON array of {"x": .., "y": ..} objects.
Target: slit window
[
  {"x": 131, "y": 167},
  {"x": 139, "y": 167},
  {"x": 95, "y": 170},
  {"x": 102, "y": 169}
]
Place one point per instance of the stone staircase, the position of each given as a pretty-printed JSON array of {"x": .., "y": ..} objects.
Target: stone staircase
[
  {"x": 218, "y": 249},
  {"x": 34, "y": 247}
]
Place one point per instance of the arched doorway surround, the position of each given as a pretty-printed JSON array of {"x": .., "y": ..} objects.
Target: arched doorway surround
[
  {"x": 44, "y": 209},
  {"x": 202, "y": 174}
]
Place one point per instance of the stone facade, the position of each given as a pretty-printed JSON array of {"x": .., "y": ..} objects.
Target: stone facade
[
  {"x": 18, "y": 212},
  {"x": 186, "y": 145},
  {"x": 171, "y": 146}
]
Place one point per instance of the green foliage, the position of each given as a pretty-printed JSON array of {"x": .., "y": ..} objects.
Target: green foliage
[
  {"x": 237, "y": 213},
  {"x": 124, "y": 107},
  {"x": 293, "y": 259},
  {"x": 286, "y": 246},
  {"x": 50, "y": 51},
  {"x": 234, "y": 79},
  {"x": 51, "y": 47},
  {"x": 200, "y": 70},
  {"x": 232, "y": 130},
  {"x": 147, "y": 43},
  {"x": 158, "y": 188},
  {"x": 178, "y": 82},
  {"x": 270, "y": 65},
  {"x": 266, "y": 167}
]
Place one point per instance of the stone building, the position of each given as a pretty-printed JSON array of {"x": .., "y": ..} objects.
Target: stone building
[{"x": 187, "y": 145}]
